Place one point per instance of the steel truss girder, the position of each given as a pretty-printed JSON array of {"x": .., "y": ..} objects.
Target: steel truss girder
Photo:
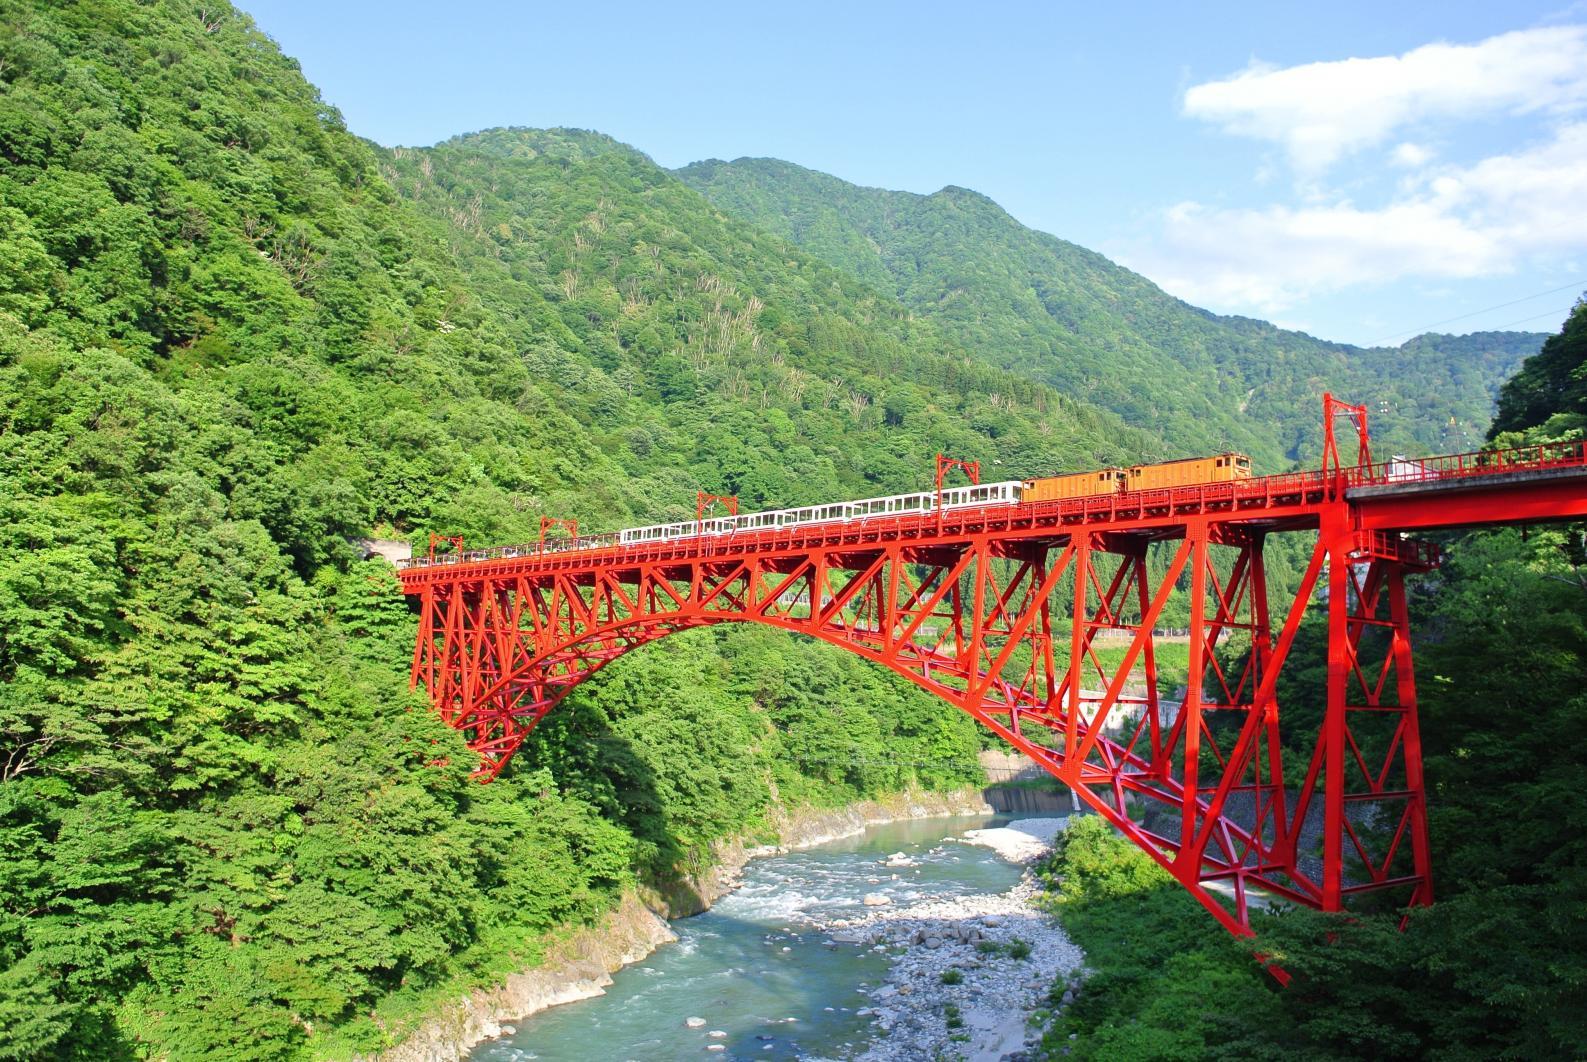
[{"x": 1017, "y": 634}]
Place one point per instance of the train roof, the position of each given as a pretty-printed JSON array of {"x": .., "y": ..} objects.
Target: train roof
[{"x": 1182, "y": 460}]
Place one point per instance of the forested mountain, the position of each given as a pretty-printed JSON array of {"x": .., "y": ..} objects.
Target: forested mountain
[
  {"x": 1547, "y": 399},
  {"x": 1057, "y": 312},
  {"x": 234, "y": 336}
]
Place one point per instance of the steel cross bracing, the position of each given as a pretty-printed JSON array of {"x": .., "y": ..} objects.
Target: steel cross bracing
[{"x": 1016, "y": 615}]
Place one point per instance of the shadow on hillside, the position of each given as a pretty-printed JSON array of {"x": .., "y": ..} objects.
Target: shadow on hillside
[{"x": 595, "y": 764}]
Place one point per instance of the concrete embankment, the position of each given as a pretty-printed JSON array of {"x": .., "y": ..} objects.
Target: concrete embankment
[
  {"x": 1017, "y": 785},
  {"x": 581, "y": 965}
]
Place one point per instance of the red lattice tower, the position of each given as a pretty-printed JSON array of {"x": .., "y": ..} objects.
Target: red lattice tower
[{"x": 1003, "y": 611}]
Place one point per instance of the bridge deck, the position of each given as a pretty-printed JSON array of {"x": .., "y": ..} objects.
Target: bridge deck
[{"x": 1513, "y": 486}]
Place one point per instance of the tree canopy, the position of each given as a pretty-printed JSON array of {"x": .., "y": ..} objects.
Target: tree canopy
[{"x": 235, "y": 338}]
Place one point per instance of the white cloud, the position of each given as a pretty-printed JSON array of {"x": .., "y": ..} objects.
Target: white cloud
[
  {"x": 1451, "y": 222},
  {"x": 1411, "y": 156},
  {"x": 1323, "y": 111}
]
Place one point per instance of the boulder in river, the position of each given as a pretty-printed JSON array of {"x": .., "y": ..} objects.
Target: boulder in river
[
  {"x": 876, "y": 899},
  {"x": 694, "y": 1023}
]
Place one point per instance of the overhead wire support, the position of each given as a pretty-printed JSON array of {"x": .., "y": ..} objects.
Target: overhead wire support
[
  {"x": 703, "y": 502},
  {"x": 945, "y": 465},
  {"x": 551, "y": 523}
]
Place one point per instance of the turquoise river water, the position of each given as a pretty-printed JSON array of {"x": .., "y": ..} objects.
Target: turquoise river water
[{"x": 755, "y": 966}]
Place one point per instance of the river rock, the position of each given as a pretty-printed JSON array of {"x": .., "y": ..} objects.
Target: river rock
[
  {"x": 717, "y": 1034},
  {"x": 575, "y": 969},
  {"x": 694, "y": 1023},
  {"x": 876, "y": 899}
]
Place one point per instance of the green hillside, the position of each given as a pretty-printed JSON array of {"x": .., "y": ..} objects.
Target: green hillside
[
  {"x": 1028, "y": 301},
  {"x": 235, "y": 337},
  {"x": 232, "y": 337}
]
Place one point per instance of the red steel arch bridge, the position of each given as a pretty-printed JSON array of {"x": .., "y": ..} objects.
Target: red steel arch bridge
[{"x": 1016, "y": 612}]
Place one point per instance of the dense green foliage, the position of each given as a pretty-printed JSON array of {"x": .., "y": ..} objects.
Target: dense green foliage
[
  {"x": 227, "y": 343},
  {"x": 1498, "y": 967},
  {"x": 1025, "y": 300},
  {"x": 1547, "y": 398},
  {"x": 233, "y": 338}
]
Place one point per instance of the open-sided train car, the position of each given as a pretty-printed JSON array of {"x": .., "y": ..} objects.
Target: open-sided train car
[
  {"x": 1004, "y": 493},
  {"x": 1215, "y": 469}
]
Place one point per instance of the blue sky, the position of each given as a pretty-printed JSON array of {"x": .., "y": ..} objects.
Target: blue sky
[{"x": 1361, "y": 171}]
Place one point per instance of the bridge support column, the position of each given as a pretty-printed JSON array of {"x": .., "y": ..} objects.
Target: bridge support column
[
  {"x": 1369, "y": 753},
  {"x": 977, "y": 619}
]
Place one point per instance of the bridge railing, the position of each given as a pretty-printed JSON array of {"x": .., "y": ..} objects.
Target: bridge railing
[
  {"x": 1536, "y": 457},
  {"x": 1093, "y": 507},
  {"x": 525, "y": 549}
]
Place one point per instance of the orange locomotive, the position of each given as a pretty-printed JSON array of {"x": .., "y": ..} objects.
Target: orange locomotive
[{"x": 1220, "y": 468}]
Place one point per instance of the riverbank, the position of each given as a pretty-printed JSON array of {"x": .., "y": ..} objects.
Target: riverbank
[{"x": 581, "y": 964}]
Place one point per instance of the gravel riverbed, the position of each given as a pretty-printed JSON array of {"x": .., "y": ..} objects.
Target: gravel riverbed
[{"x": 967, "y": 971}]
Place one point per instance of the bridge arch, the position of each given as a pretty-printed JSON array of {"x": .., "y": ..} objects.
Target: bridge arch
[{"x": 1006, "y": 627}]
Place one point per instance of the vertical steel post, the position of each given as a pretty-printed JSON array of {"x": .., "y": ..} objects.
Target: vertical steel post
[
  {"x": 1189, "y": 722},
  {"x": 1411, "y": 738},
  {"x": 1078, "y": 626},
  {"x": 1334, "y": 721}
]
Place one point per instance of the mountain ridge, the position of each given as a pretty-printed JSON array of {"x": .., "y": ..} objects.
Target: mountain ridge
[
  {"x": 1033, "y": 302},
  {"x": 234, "y": 336}
]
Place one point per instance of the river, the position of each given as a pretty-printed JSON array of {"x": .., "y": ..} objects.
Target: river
[{"x": 768, "y": 983}]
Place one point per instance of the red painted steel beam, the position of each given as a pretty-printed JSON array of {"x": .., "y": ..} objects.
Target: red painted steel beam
[
  {"x": 1517, "y": 498},
  {"x": 998, "y": 611}
]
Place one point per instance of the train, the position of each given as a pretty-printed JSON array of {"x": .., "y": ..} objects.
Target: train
[
  {"x": 1186, "y": 472},
  {"x": 1219, "y": 468}
]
